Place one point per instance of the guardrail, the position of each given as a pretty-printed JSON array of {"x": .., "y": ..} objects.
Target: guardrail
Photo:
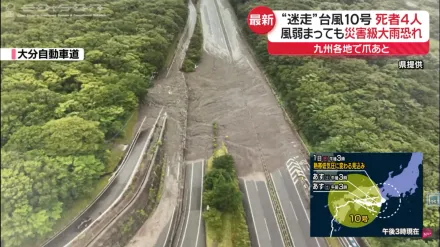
[
  {"x": 288, "y": 242},
  {"x": 112, "y": 178}
]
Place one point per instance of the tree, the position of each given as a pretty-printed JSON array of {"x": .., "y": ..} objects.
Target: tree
[
  {"x": 58, "y": 117},
  {"x": 25, "y": 139},
  {"x": 225, "y": 197},
  {"x": 71, "y": 136},
  {"x": 216, "y": 176},
  {"x": 225, "y": 162}
]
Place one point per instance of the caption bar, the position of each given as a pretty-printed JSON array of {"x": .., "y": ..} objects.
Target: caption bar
[
  {"x": 342, "y": 32},
  {"x": 47, "y": 54}
]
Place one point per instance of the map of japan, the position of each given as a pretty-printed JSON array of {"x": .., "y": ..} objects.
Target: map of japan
[{"x": 366, "y": 194}]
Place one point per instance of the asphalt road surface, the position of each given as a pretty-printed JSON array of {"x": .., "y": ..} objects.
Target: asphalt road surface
[
  {"x": 263, "y": 226},
  {"x": 108, "y": 197},
  {"x": 294, "y": 204},
  {"x": 164, "y": 235},
  {"x": 194, "y": 231}
]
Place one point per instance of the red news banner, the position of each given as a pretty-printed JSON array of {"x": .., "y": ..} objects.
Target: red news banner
[{"x": 343, "y": 33}]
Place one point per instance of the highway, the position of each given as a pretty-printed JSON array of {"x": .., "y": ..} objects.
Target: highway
[
  {"x": 257, "y": 131},
  {"x": 194, "y": 230},
  {"x": 294, "y": 205},
  {"x": 263, "y": 226},
  {"x": 110, "y": 194}
]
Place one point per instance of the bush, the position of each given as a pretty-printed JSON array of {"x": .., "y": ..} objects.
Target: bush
[
  {"x": 225, "y": 162},
  {"x": 188, "y": 66},
  {"x": 194, "y": 52}
]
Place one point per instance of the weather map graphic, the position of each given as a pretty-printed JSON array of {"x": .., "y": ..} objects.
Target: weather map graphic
[{"x": 366, "y": 194}]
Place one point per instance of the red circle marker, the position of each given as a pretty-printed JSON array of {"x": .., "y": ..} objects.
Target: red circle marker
[{"x": 261, "y": 20}]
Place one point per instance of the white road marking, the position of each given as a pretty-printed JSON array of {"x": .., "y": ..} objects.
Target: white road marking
[
  {"x": 168, "y": 171},
  {"x": 302, "y": 204},
  {"x": 278, "y": 224},
  {"x": 169, "y": 228},
  {"x": 304, "y": 208},
  {"x": 291, "y": 205},
  {"x": 201, "y": 197},
  {"x": 292, "y": 172},
  {"x": 255, "y": 183},
  {"x": 345, "y": 242},
  {"x": 190, "y": 194},
  {"x": 267, "y": 228},
  {"x": 252, "y": 213}
]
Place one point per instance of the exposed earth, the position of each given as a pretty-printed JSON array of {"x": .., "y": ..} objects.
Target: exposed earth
[
  {"x": 168, "y": 91},
  {"x": 227, "y": 88}
]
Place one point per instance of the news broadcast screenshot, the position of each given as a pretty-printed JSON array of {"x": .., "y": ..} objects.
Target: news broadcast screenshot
[{"x": 220, "y": 123}]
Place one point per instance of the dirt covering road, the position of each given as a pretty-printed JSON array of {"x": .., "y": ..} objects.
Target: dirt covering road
[
  {"x": 229, "y": 89},
  {"x": 169, "y": 91},
  {"x": 226, "y": 88}
]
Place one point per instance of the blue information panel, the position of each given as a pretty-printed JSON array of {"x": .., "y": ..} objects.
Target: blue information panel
[{"x": 366, "y": 194}]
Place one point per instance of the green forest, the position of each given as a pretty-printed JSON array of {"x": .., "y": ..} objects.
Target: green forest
[
  {"x": 359, "y": 105},
  {"x": 58, "y": 118}
]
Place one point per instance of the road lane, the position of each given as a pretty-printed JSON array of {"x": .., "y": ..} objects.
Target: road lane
[
  {"x": 164, "y": 235},
  {"x": 214, "y": 40},
  {"x": 194, "y": 232},
  {"x": 108, "y": 197},
  {"x": 269, "y": 214},
  {"x": 261, "y": 235},
  {"x": 298, "y": 236},
  {"x": 299, "y": 202}
]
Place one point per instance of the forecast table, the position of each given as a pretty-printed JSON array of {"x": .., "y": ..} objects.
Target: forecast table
[{"x": 366, "y": 194}]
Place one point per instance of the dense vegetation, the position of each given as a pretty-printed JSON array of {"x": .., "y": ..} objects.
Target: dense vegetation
[
  {"x": 194, "y": 52},
  {"x": 225, "y": 219},
  {"x": 58, "y": 118},
  {"x": 359, "y": 104}
]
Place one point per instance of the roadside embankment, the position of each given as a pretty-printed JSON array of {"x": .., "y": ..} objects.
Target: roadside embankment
[{"x": 194, "y": 52}]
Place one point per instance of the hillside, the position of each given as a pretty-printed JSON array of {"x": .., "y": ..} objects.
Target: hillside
[
  {"x": 359, "y": 105},
  {"x": 59, "y": 119}
]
